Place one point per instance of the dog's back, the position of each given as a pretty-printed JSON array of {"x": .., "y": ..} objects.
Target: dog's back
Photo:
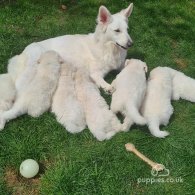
[
  {"x": 157, "y": 107},
  {"x": 159, "y": 93}
]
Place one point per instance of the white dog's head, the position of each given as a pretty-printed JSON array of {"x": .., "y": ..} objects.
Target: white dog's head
[
  {"x": 50, "y": 57},
  {"x": 114, "y": 28},
  {"x": 138, "y": 64}
]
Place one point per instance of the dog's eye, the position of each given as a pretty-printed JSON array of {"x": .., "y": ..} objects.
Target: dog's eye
[{"x": 117, "y": 30}]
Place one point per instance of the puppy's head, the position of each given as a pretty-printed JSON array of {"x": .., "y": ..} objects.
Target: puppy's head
[
  {"x": 137, "y": 64},
  {"x": 50, "y": 57}
]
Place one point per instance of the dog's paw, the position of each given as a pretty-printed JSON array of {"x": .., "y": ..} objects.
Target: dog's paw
[
  {"x": 110, "y": 134},
  {"x": 2, "y": 123},
  {"x": 125, "y": 128},
  {"x": 5, "y": 105},
  {"x": 109, "y": 89},
  {"x": 161, "y": 134}
]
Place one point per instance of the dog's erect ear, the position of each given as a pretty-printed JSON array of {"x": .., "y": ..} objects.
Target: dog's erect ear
[
  {"x": 127, "y": 62},
  {"x": 127, "y": 12},
  {"x": 104, "y": 16}
]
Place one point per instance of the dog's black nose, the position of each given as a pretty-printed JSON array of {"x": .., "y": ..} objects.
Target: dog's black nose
[{"x": 130, "y": 43}]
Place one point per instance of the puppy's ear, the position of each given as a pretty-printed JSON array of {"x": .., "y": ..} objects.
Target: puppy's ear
[
  {"x": 145, "y": 68},
  {"x": 61, "y": 60},
  {"x": 104, "y": 16},
  {"x": 127, "y": 12},
  {"x": 127, "y": 62},
  {"x": 39, "y": 61}
]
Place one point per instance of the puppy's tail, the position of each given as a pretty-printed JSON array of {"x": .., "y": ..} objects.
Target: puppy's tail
[
  {"x": 134, "y": 114},
  {"x": 16, "y": 65},
  {"x": 153, "y": 126}
]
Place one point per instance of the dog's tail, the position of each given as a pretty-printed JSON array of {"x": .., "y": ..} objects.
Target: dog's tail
[
  {"x": 134, "y": 114},
  {"x": 16, "y": 65},
  {"x": 153, "y": 125}
]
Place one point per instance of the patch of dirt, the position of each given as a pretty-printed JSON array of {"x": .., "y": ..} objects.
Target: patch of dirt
[
  {"x": 20, "y": 185},
  {"x": 182, "y": 63}
]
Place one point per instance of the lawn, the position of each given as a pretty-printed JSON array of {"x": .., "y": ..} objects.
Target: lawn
[{"x": 163, "y": 32}]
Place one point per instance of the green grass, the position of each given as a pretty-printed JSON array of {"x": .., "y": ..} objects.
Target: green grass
[{"x": 163, "y": 33}]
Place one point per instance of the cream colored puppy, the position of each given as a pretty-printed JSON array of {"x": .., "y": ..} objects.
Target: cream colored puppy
[
  {"x": 101, "y": 121},
  {"x": 35, "y": 98},
  {"x": 183, "y": 86},
  {"x": 67, "y": 108},
  {"x": 7, "y": 92},
  {"x": 157, "y": 108},
  {"x": 8, "y": 81},
  {"x": 130, "y": 86}
]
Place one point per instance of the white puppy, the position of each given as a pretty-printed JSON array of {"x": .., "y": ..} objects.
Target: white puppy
[
  {"x": 7, "y": 81},
  {"x": 157, "y": 108},
  {"x": 101, "y": 121},
  {"x": 16, "y": 65},
  {"x": 7, "y": 92},
  {"x": 183, "y": 86},
  {"x": 130, "y": 86},
  {"x": 35, "y": 98},
  {"x": 67, "y": 108}
]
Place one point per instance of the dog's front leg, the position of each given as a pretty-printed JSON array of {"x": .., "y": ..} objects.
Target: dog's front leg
[{"x": 100, "y": 82}]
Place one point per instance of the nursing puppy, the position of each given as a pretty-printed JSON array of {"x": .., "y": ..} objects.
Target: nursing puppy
[
  {"x": 65, "y": 105},
  {"x": 157, "y": 108},
  {"x": 7, "y": 81},
  {"x": 101, "y": 121},
  {"x": 130, "y": 86},
  {"x": 7, "y": 92},
  {"x": 35, "y": 98},
  {"x": 183, "y": 86}
]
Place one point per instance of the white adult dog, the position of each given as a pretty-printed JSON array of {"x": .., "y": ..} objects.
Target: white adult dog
[
  {"x": 157, "y": 108},
  {"x": 101, "y": 121},
  {"x": 7, "y": 92},
  {"x": 101, "y": 51},
  {"x": 35, "y": 98},
  {"x": 65, "y": 105},
  {"x": 130, "y": 87},
  {"x": 183, "y": 86}
]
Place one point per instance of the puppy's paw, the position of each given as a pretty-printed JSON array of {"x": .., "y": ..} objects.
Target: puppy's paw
[
  {"x": 109, "y": 89},
  {"x": 110, "y": 134},
  {"x": 2, "y": 123},
  {"x": 142, "y": 121},
  {"x": 161, "y": 134},
  {"x": 125, "y": 127},
  {"x": 5, "y": 105}
]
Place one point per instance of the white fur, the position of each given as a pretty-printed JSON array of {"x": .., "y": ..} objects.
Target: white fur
[
  {"x": 7, "y": 92},
  {"x": 157, "y": 108},
  {"x": 65, "y": 105},
  {"x": 35, "y": 97},
  {"x": 183, "y": 86},
  {"x": 100, "y": 52},
  {"x": 101, "y": 121},
  {"x": 130, "y": 86},
  {"x": 16, "y": 66}
]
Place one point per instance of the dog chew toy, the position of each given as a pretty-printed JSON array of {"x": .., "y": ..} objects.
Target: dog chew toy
[
  {"x": 29, "y": 168},
  {"x": 155, "y": 166}
]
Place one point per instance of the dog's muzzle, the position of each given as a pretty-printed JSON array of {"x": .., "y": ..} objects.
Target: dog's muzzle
[{"x": 129, "y": 44}]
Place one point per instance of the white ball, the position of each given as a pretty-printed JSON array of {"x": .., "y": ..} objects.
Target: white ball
[{"x": 29, "y": 168}]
